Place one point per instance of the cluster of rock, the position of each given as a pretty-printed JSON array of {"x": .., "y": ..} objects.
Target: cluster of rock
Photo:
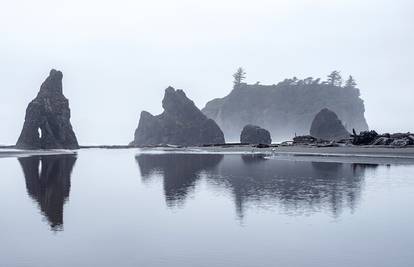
[
  {"x": 375, "y": 139},
  {"x": 252, "y": 134},
  {"x": 47, "y": 122},
  {"x": 181, "y": 123}
]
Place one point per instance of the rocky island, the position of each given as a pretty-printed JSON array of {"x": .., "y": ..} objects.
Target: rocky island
[
  {"x": 181, "y": 123},
  {"x": 47, "y": 122},
  {"x": 287, "y": 108}
]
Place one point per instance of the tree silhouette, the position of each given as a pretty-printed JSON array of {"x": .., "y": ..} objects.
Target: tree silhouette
[
  {"x": 350, "y": 83},
  {"x": 335, "y": 78},
  {"x": 239, "y": 76}
]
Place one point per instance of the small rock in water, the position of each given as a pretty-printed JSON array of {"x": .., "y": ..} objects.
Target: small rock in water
[{"x": 252, "y": 134}]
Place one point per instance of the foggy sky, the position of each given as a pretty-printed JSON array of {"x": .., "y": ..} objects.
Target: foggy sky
[{"x": 117, "y": 57}]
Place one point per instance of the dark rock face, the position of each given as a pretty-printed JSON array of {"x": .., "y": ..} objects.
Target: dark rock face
[
  {"x": 284, "y": 109},
  {"x": 252, "y": 134},
  {"x": 181, "y": 123},
  {"x": 47, "y": 122},
  {"x": 327, "y": 126}
]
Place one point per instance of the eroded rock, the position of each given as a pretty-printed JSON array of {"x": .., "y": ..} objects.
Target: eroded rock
[
  {"x": 181, "y": 123},
  {"x": 47, "y": 122}
]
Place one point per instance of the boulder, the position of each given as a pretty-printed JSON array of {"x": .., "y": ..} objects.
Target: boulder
[
  {"x": 252, "y": 134},
  {"x": 181, "y": 123},
  {"x": 327, "y": 126},
  {"x": 47, "y": 122}
]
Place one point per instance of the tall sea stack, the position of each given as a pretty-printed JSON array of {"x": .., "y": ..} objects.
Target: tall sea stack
[
  {"x": 47, "y": 122},
  {"x": 181, "y": 123}
]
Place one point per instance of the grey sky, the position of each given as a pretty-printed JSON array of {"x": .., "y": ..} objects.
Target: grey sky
[{"x": 117, "y": 57}]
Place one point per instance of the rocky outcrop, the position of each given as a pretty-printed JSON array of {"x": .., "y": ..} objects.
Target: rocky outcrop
[
  {"x": 285, "y": 109},
  {"x": 327, "y": 126},
  {"x": 181, "y": 123},
  {"x": 47, "y": 122},
  {"x": 252, "y": 134}
]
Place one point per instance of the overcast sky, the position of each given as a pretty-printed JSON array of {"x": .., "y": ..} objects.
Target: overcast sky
[{"x": 117, "y": 57}]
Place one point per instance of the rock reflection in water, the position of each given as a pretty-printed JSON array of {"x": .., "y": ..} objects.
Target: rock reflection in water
[
  {"x": 48, "y": 183},
  {"x": 295, "y": 186},
  {"x": 180, "y": 172}
]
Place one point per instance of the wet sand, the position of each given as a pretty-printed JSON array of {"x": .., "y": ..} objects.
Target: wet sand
[{"x": 7, "y": 153}]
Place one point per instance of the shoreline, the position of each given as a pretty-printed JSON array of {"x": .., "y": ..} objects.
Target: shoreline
[{"x": 368, "y": 152}]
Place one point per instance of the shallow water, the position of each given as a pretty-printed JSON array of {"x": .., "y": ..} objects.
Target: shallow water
[{"x": 123, "y": 208}]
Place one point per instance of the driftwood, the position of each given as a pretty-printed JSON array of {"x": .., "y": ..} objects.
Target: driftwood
[{"x": 374, "y": 139}]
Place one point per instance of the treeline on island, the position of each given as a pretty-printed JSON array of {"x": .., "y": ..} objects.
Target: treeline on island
[{"x": 287, "y": 108}]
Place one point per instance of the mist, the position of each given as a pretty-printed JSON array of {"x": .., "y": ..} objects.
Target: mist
[{"x": 118, "y": 57}]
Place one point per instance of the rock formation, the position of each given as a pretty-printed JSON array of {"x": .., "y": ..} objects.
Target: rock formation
[
  {"x": 47, "y": 122},
  {"x": 181, "y": 123},
  {"x": 285, "y": 109},
  {"x": 252, "y": 134},
  {"x": 327, "y": 126}
]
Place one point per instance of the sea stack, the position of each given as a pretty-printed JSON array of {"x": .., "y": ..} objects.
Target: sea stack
[
  {"x": 327, "y": 126},
  {"x": 252, "y": 134},
  {"x": 181, "y": 123},
  {"x": 47, "y": 122}
]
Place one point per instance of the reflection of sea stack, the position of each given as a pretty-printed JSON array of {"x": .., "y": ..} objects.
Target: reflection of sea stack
[
  {"x": 297, "y": 186},
  {"x": 180, "y": 171},
  {"x": 181, "y": 123},
  {"x": 326, "y": 125},
  {"x": 48, "y": 182},
  {"x": 47, "y": 122}
]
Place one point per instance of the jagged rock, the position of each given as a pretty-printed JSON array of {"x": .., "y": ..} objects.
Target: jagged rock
[
  {"x": 252, "y": 134},
  {"x": 284, "y": 109},
  {"x": 364, "y": 138},
  {"x": 47, "y": 122},
  {"x": 181, "y": 123},
  {"x": 326, "y": 125}
]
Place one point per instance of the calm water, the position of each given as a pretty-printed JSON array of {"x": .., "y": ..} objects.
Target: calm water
[{"x": 122, "y": 208}]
